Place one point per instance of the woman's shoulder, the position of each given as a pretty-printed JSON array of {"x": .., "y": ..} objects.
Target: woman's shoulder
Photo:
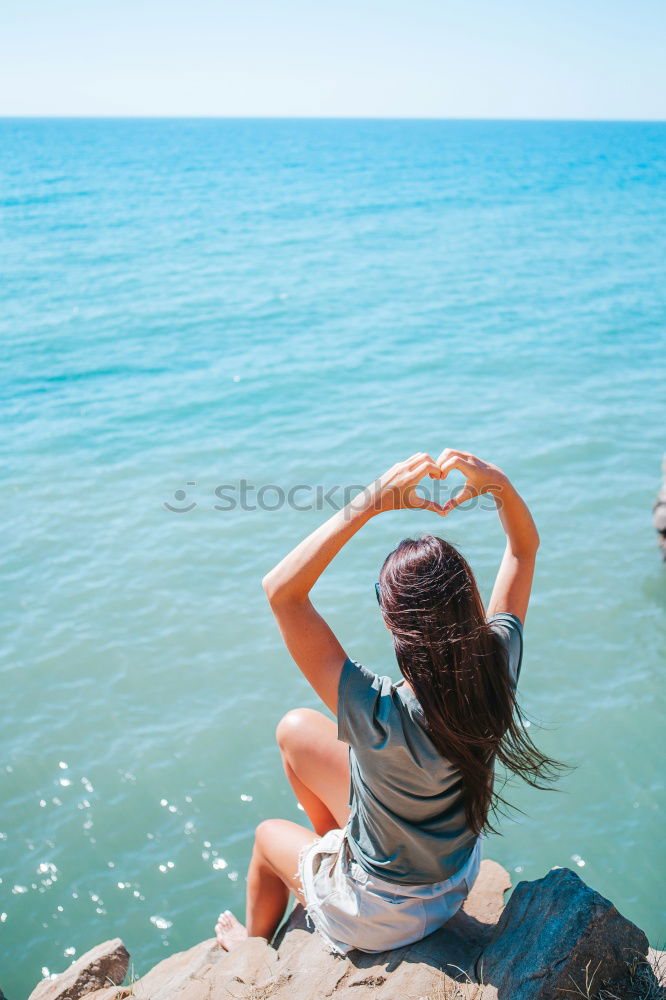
[{"x": 366, "y": 704}]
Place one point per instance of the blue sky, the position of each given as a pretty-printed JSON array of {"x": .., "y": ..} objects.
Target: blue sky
[{"x": 385, "y": 58}]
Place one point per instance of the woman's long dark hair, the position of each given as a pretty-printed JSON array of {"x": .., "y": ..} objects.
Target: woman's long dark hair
[{"x": 457, "y": 667}]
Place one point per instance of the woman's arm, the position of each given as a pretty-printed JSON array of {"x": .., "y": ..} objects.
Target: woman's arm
[
  {"x": 308, "y": 638},
  {"x": 513, "y": 584},
  {"x": 514, "y": 579}
]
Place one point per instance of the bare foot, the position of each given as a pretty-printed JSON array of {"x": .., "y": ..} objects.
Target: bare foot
[{"x": 229, "y": 931}]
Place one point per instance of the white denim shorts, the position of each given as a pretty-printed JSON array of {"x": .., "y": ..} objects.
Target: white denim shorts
[{"x": 353, "y": 909}]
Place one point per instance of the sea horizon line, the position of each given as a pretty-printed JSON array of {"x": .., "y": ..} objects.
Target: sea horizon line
[{"x": 332, "y": 118}]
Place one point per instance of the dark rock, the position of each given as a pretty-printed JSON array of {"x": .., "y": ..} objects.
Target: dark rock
[{"x": 557, "y": 934}]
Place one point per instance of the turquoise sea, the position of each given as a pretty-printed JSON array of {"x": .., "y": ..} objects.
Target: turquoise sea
[{"x": 186, "y": 305}]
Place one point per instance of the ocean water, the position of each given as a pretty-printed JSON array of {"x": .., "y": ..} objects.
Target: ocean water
[{"x": 187, "y": 306}]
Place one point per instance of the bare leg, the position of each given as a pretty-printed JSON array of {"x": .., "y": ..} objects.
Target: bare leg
[
  {"x": 321, "y": 818},
  {"x": 317, "y": 766},
  {"x": 272, "y": 875}
]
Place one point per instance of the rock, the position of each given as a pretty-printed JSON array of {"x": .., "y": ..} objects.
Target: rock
[
  {"x": 537, "y": 948},
  {"x": 106, "y": 964},
  {"x": 299, "y": 967},
  {"x": 557, "y": 934},
  {"x": 200, "y": 972}
]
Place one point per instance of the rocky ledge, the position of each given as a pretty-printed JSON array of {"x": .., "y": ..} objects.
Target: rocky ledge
[{"x": 555, "y": 939}]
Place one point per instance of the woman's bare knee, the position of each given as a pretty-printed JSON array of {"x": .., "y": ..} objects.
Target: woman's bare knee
[
  {"x": 264, "y": 836},
  {"x": 317, "y": 766},
  {"x": 294, "y": 728}
]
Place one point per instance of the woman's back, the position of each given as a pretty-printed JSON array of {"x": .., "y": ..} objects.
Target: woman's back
[{"x": 407, "y": 822}]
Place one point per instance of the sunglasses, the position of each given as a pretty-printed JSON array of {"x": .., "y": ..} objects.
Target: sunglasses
[{"x": 378, "y": 593}]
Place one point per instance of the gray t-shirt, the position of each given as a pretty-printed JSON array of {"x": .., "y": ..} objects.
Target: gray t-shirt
[{"x": 407, "y": 821}]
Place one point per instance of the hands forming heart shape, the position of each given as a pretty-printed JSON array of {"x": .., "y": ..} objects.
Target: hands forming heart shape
[{"x": 396, "y": 489}]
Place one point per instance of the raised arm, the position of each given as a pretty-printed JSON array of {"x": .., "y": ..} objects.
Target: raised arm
[
  {"x": 514, "y": 579},
  {"x": 309, "y": 639}
]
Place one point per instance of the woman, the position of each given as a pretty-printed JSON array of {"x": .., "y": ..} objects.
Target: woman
[{"x": 400, "y": 791}]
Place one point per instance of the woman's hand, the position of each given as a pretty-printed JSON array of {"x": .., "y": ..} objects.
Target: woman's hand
[
  {"x": 480, "y": 477},
  {"x": 513, "y": 584},
  {"x": 396, "y": 489}
]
